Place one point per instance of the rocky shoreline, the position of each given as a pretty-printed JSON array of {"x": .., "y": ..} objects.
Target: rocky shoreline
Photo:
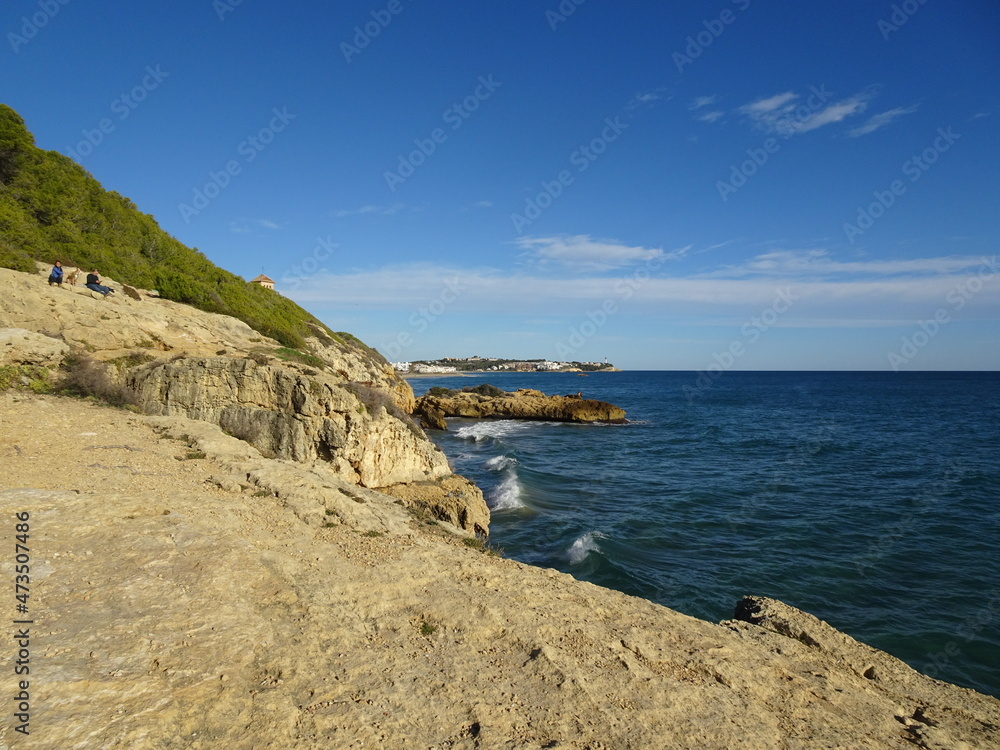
[{"x": 265, "y": 553}]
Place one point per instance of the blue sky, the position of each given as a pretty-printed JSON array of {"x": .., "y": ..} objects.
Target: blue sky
[{"x": 704, "y": 186}]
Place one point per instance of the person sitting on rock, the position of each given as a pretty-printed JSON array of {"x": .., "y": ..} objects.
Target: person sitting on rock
[
  {"x": 56, "y": 275},
  {"x": 94, "y": 284}
]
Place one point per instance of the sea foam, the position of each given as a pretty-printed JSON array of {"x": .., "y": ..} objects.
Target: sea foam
[
  {"x": 583, "y": 546},
  {"x": 481, "y": 431},
  {"x": 507, "y": 494},
  {"x": 499, "y": 463}
]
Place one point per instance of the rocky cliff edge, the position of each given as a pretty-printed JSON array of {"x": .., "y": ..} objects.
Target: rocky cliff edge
[{"x": 339, "y": 405}]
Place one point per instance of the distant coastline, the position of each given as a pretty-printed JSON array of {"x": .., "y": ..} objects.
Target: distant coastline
[
  {"x": 476, "y": 364},
  {"x": 474, "y": 373}
]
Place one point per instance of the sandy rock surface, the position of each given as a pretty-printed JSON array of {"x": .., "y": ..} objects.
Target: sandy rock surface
[{"x": 188, "y": 593}]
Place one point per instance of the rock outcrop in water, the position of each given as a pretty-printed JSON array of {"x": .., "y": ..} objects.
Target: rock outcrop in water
[{"x": 491, "y": 403}]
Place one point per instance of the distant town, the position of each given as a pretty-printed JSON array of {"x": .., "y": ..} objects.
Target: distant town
[{"x": 489, "y": 364}]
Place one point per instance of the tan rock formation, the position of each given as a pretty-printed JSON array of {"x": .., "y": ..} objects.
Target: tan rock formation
[
  {"x": 21, "y": 347},
  {"x": 346, "y": 407},
  {"x": 524, "y": 403},
  {"x": 197, "y": 604}
]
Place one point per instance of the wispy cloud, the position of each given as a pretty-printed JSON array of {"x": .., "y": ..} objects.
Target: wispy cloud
[
  {"x": 818, "y": 264},
  {"x": 770, "y": 105},
  {"x": 703, "y": 101},
  {"x": 711, "y": 116},
  {"x": 370, "y": 209},
  {"x": 881, "y": 120},
  {"x": 247, "y": 226},
  {"x": 787, "y": 115},
  {"x": 645, "y": 98},
  {"x": 583, "y": 254},
  {"x": 828, "y": 292}
]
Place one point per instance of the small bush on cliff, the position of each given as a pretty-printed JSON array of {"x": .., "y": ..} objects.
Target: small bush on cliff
[
  {"x": 89, "y": 378},
  {"x": 31, "y": 377},
  {"x": 373, "y": 398},
  {"x": 486, "y": 390}
]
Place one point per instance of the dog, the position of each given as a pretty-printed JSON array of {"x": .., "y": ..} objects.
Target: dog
[{"x": 73, "y": 276}]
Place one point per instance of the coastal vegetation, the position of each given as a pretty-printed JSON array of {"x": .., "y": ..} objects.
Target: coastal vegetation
[{"x": 52, "y": 209}]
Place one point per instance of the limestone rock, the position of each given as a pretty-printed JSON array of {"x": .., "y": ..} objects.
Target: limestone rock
[
  {"x": 305, "y": 613},
  {"x": 454, "y": 499},
  {"x": 292, "y": 416},
  {"x": 524, "y": 403},
  {"x": 347, "y": 410},
  {"x": 21, "y": 347}
]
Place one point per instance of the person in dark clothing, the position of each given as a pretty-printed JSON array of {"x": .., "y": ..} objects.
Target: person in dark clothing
[
  {"x": 56, "y": 275},
  {"x": 94, "y": 283}
]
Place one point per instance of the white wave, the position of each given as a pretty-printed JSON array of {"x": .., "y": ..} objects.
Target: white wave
[
  {"x": 507, "y": 494},
  {"x": 481, "y": 431},
  {"x": 583, "y": 546},
  {"x": 499, "y": 463}
]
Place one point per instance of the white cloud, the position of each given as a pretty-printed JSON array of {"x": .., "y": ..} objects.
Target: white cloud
[
  {"x": 703, "y": 101},
  {"x": 644, "y": 98},
  {"x": 584, "y": 254},
  {"x": 826, "y": 292},
  {"x": 484, "y": 204},
  {"x": 711, "y": 116},
  {"x": 369, "y": 209},
  {"x": 763, "y": 107},
  {"x": 785, "y": 115},
  {"x": 880, "y": 121},
  {"x": 817, "y": 264},
  {"x": 246, "y": 226}
]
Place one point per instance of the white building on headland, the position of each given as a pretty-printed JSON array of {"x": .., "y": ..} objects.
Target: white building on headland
[{"x": 400, "y": 366}]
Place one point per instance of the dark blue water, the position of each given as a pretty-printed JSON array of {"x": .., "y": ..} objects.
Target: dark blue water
[{"x": 871, "y": 500}]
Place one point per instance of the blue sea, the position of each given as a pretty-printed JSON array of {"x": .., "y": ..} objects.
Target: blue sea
[{"x": 871, "y": 500}]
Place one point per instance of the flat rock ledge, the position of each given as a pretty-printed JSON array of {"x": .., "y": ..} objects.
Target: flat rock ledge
[{"x": 525, "y": 403}]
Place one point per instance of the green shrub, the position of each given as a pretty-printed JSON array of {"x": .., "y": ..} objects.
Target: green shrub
[
  {"x": 32, "y": 377},
  {"x": 486, "y": 390}
]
